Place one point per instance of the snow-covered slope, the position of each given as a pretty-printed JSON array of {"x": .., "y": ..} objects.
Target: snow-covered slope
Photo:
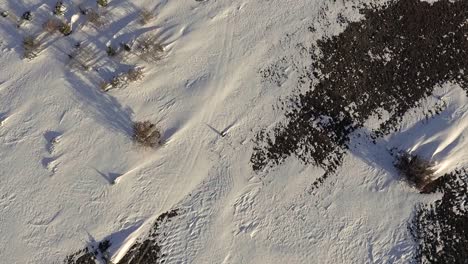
[{"x": 71, "y": 177}]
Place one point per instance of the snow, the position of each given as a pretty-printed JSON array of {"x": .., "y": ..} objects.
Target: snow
[
  {"x": 92, "y": 181},
  {"x": 441, "y": 138}
]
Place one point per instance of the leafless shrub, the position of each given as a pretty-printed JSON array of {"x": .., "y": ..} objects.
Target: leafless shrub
[
  {"x": 414, "y": 169},
  {"x": 149, "y": 48},
  {"x": 51, "y": 25},
  {"x": 95, "y": 18},
  {"x": 146, "y": 134},
  {"x": 146, "y": 16},
  {"x": 122, "y": 80},
  {"x": 135, "y": 74},
  {"x": 31, "y": 47},
  {"x": 117, "y": 82}
]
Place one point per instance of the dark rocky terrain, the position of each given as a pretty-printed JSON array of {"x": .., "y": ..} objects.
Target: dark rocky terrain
[
  {"x": 441, "y": 229},
  {"x": 145, "y": 251},
  {"x": 390, "y": 60}
]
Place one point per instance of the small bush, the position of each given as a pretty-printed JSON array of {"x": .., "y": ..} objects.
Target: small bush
[
  {"x": 31, "y": 47},
  {"x": 135, "y": 74},
  {"x": 146, "y": 134},
  {"x": 60, "y": 8},
  {"x": 95, "y": 18},
  {"x": 111, "y": 52},
  {"x": 105, "y": 86},
  {"x": 65, "y": 29},
  {"x": 125, "y": 46},
  {"x": 51, "y": 25},
  {"x": 119, "y": 81},
  {"x": 27, "y": 16},
  {"x": 149, "y": 48},
  {"x": 103, "y": 3},
  {"x": 122, "y": 80},
  {"x": 414, "y": 169},
  {"x": 146, "y": 16}
]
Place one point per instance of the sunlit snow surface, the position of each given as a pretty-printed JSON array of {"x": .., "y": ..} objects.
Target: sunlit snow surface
[{"x": 71, "y": 178}]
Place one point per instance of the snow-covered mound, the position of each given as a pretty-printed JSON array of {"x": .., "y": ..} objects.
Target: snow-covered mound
[{"x": 278, "y": 121}]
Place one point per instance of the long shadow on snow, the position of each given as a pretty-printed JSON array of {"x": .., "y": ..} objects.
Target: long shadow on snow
[
  {"x": 106, "y": 109},
  {"x": 146, "y": 250}
]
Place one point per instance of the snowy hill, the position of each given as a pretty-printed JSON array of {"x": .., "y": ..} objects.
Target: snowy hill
[{"x": 280, "y": 121}]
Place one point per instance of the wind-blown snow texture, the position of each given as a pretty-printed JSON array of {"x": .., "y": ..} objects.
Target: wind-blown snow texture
[{"x": 278, "y": 120}]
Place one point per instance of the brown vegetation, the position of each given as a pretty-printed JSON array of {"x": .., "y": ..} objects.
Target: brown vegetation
[
  {"x": 149, "y": 48},
  {"x": 31, "y": 47},
  {"x": 51, "y": 25},
  {"x": 122, "y": 80},
  {"x": 95, "y": 18},
  {"x": 146, "y": 134},
  {"x": 146, "y": 16},
  {"x": 414, "y": 169}
]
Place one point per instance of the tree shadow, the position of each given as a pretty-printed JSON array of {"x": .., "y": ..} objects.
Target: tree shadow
[
  {"x": 20, "y": 6},
  {"x": 3, "y": 116},
  {"x": 12, "y": 37},
  {"x": 110, "y": 177},
  {"x": 51, "y": 138},
  {"x": 105, "y": 109},
  {"x": 100, "y": 251},
  {"x": 373, "y": 154},
  {"x": 118, "y": 238}
]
